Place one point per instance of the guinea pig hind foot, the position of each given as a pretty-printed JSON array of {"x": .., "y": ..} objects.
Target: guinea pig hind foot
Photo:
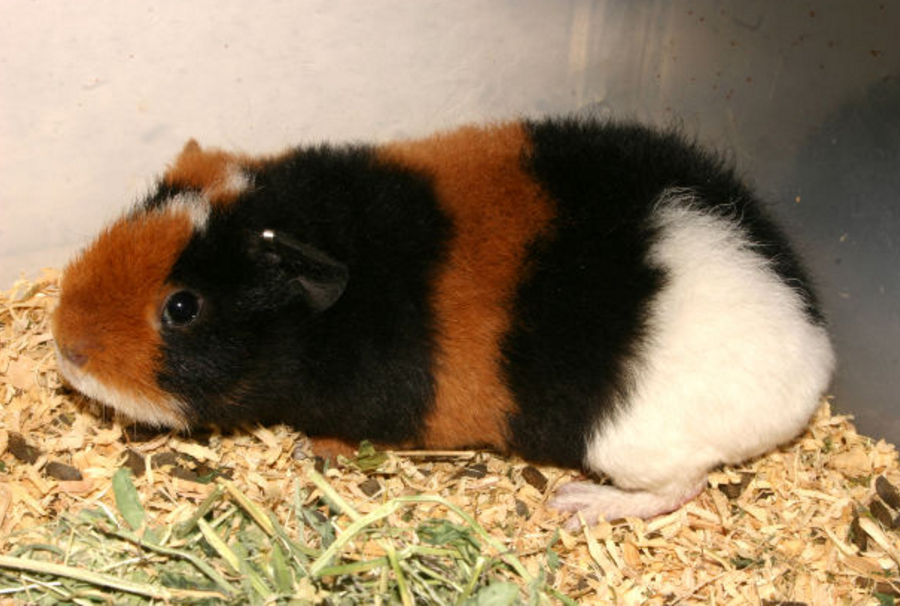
[{"x": 589, "y": 501}]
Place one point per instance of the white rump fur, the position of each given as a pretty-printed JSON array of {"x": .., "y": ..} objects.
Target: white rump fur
[{"x": 731, "y": 368}]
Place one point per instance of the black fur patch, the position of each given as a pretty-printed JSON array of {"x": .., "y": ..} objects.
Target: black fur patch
[
  {"x": 360, "y": 369},
  {"x": 580, "y": 313},
  {"x": 270, "y": 345}
]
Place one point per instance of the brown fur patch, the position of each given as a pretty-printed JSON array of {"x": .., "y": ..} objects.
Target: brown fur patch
[
  {"x": 217, "y": 173},
  {"x": 497, "y": 210},
  {"x": 110, "y": 300},
  {"x": 330, "y": 448}
]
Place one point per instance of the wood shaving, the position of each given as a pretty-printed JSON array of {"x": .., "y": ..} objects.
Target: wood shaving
[{"x": 793, "y": 526}]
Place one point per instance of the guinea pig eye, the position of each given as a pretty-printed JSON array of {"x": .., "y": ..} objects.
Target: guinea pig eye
[{"x": 182, "y": 308}]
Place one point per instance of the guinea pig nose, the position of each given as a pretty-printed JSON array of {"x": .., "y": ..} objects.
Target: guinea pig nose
[{"x": 75, "y": 356}]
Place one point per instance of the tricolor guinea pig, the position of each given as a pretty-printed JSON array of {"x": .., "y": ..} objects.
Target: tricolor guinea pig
[{"x": 596, "y": 295}]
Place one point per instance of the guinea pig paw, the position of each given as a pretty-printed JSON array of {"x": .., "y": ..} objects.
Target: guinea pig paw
[
  {"x": 585, "y": 517},
  {"x": 590, "y": 501},
  {"x": 574, "y": 496}
]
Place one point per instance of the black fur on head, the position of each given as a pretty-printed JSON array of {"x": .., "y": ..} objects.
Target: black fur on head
[
  {"x": 288, "y": 270},
  {"x": 314, "y": 311},
  {"x": 256, "y": 286}
]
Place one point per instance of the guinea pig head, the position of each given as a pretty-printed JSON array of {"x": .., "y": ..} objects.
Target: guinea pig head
[
  {"x": 107, "y": 324},
  {"x": 160, "y": 317}
]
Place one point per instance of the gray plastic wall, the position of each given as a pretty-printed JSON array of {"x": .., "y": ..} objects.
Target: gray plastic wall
[{"x": 805, "y": 97}]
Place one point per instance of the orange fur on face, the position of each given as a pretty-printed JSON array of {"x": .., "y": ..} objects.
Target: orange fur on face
[
  {"x": 110, "y": 300},
  {"x": 220, "y": 175},
  {"x": 496, "y": 210}
]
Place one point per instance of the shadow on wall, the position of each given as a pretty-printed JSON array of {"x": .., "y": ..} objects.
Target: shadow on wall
[{"x": 847, "y": 179}]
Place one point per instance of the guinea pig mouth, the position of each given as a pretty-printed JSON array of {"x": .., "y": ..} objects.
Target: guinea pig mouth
[{"x": 166, "y": 413}]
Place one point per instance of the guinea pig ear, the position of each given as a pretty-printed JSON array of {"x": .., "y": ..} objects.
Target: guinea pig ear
[
  {"x": 305, "y": 271},
  {"x": 191, "y": 147}
]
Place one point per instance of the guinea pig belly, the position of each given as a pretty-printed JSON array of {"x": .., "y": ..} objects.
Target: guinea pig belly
[{"x": 732, "y": 366}]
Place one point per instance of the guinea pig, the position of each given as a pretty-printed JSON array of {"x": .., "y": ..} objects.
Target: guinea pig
[{"x": 598, "y": 295}]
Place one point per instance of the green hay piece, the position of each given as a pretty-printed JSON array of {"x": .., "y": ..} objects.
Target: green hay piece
[
  {"x": 127, "y": 499},
  {"x": 244, "y": 555}
]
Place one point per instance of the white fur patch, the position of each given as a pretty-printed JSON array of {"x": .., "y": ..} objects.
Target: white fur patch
[
  {"x": 236, "y": 181},
  {"x": 138, "y": 408},
  {"x": 195, "y": 206},
  {"x": 731, "y": 366}
]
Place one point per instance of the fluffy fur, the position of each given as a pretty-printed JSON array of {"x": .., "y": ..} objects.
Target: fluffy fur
[
  {"x": 106, "y": 327},
  {"x": 722, "y": 312},
  {"x": 496, "y": 210},
  {"x": 598, "y": 295},
  {"x": 221, "y": 176}
]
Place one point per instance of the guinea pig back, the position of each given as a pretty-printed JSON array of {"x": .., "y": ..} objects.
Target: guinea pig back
[{"x": 596, "y": 295}]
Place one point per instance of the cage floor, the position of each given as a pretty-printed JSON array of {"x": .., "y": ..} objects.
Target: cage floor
[{"x": 813, "y": 522}]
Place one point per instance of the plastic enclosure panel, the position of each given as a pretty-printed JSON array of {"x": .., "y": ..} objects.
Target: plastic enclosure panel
[{"x": 804, "y": 96}]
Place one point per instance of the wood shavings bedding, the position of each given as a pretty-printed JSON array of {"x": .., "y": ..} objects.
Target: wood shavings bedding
[{"x": 814, "y": 522}]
